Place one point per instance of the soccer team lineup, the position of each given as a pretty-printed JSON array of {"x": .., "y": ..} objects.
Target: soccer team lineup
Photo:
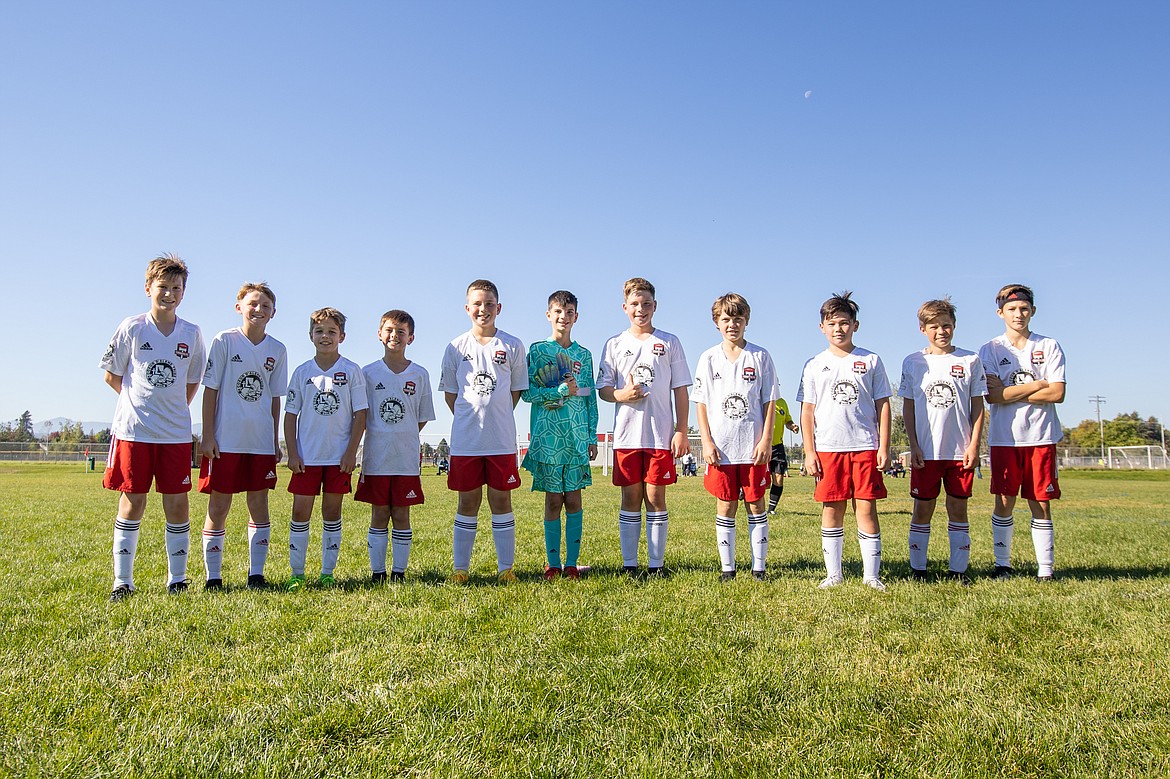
[{"x": 335, "y": 409}]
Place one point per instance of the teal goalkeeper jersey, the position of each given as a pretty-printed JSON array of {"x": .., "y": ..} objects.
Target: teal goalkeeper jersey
[{"x": 561, "y": 432}]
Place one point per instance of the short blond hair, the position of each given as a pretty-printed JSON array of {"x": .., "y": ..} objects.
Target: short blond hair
[
  {"x": 486, "y": 286},
  {"x": 933, "y": 309},
  {"x": 324, "y": 314},
  {"x": 637, "y": 284},
  {"x": 166, "y": 264},
  {"x": 256, "y": 286},
  {"x": 732, "y": 304}
]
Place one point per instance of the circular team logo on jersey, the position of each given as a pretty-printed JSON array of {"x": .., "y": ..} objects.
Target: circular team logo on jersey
[
  {"x": 1021, "y": 376},
  {"x": 845, "y": 392},
  {"x": 940, "y": 394},
  {"x": 735, "y": 406},
  {"x": 326, "y": 403},
  {"x": 160, "y": 373},
  {"x": 392, "y": 411},
  {"x": 643, "y": 374},
  {"x": 483, "y": 383},
  {"x": 109, "y": 355},
  {"x": 250, "y": 386}
]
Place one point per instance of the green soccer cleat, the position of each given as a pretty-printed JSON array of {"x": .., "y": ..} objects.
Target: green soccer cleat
[
  {"x": 294, "y": 583},
  {"x": 326, "y": 580}
]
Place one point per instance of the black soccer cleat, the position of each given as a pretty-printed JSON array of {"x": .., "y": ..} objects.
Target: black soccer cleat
[
  {"x": 631, "y": 571},
  {"x": 918, "y": 576},
  {"x": 257, "y": 581},
  {"x": 213, "y": 585},
  {"x": 120, "y": 593},
  {"x": 726, "y": 576},
  {"x": 398, "y": 576},
  {"x": 959, "y": 578},
  {"x": 1044, "y": 579},
  {"x": 176, "y": 588},
  {"x": 379, "y": 577},
  {"x": 759, "y": 575},
  {"x": 1003, "y": 572},
  {"x": 658, "y": 573}
]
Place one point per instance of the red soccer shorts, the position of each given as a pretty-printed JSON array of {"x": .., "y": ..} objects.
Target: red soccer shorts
[
  {"x": 948, "y": 474},
  {"x": 1027, "y": 471},
  {"x": 725, "y": 481},
  {"x": 133, "y": 465},
  {"x": 234, "y": 472},
  {"x": 316, "y": 479},
  {"x": 849, "y": 475},
  {"x": 653, "y": 466},
  {"x": 470, "y": 472},
  {"x": 389, "y": 490}
]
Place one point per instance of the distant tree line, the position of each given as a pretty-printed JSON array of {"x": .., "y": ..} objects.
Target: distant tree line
[{"x": 22, "y": 431}]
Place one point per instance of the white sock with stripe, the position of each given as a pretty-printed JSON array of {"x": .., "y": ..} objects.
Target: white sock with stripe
[
  {"x": 298, "y": 547},
  {"x": 1002, "y": 529},
  {"x": 401, "y": 540},
  {"x": 178, "y": 549},
  {"x": 258, "y": 535},
  {"x": 330, "y": 545},
  {"x": 725, "y": 537},
  {"x": 629, "y": 533},
  {"x": 656, "y": 525},
  {"x": 377, "y": 541},
  {"x": 213, "y": 543},
  {"x": 464, "y": 541},
  {"x": 919, "y": 543},
  {"x": 871, "y": 555},
  {"x": 758, "y": 527},
  {"x": 125, "y": 549},
  {"x": 1043, "y": 539},
  {"x": 504, "y": 537},
  {"x": 833, "y": 546},
  {"x": 959, "y": 534}
]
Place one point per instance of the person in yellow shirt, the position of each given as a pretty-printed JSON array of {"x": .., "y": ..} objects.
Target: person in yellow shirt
[{"x": 779, "y": 462}]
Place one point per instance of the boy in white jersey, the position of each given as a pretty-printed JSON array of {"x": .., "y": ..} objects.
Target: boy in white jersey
[
  {"x": 399, "y": 394},
  {"x": 735, "y": 387},
  {"x": 845, "y": 416},
  {"x": 484, "y": 372},
  {"x": 1025, "y": 381},
  {"x": 642, "y": 371},
  {"x": 154, "y": 363},
  {"x": 247, "y": 374},
  {"x": 324, "y": 418},
  {"x": 942, "y": 391}
]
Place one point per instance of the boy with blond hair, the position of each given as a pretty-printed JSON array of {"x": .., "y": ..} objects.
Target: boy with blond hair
[
  {"x": 564, "y": 431},
  {"x": 399, "y": 395},
  {"x": 1025, "y": 381},
  {"x": 644, "y": 372},
  {"x": 483, "y": 375},
  {"x": 324, "y": 418},
  {"x": 154, "y": 362},
  {"x": 735, "y": 388},
  {"x": 247, "y": 374},
  {"x": 942, "y": 390},
  {"x": 845, "y": 416}
]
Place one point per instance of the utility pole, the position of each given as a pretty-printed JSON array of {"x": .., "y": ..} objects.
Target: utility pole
[{"x": 1099, "y": 400}]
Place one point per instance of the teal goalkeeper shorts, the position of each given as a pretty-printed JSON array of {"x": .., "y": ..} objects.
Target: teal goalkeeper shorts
[{"x": 558, "y": 478}]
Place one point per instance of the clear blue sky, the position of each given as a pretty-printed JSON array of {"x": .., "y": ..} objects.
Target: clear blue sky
[{"x": 373, "y": 155}]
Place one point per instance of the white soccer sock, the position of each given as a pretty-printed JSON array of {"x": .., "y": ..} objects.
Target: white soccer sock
[
  {"x": 401, "y": 541},
  {"x": 656, "y": 524},
  {"x": 725, "y": 537},
  {"x": 833, "y": 546},
  {"x": 125, "y": 548},
  {"x": 298, "y": 547},
  {"x": 258, "y": 535},
  {"x": 871, "y": 555},
  {"x": 1043, "y": 539},
  {"x": 1002, "y": 529},
  {"x": 629, "y": 533},
  {"x": 330, "y": 545},
  {"x": 758, "y": 527},
  {"x": 919, "y": 542},
  {"x": 213, "y": 542},
  {"x": 504, "y": 537},
  {"x": 465, "y": 529},
  {"x": 959, "y": 534},
  {"x": 377, "y": 540},
  {"x": 178, "y": 548}
]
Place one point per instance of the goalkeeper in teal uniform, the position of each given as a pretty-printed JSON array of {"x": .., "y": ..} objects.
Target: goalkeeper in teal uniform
[{"x": 564, "y": 431}]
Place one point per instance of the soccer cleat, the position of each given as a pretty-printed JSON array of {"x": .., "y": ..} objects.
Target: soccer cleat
[
  {"x": 294, "y": 583},
  {"x": 918, "y": 576},
  {"x": 256, "y": 581},
  {"x": 658, "y": 573},
  {"x": 1044, "y": 578},
  {"x": 213, "y": 585},
  {"x": 631, "y": 571},
  {"x": 759, "y": 575},
  {"x": 120, "y": 593},
  {"x": 379, "y": 577},
  {"x": 726, "y": 576},
  {"x": 460, "y": 577},
  {"x": 398, "y": 576},
  {"x": 1002, "y": 572},
  {"x": 176, "y": 588},
  {"x": 960, "y": 578},
  {"x": 571, "y": 572},
  {"x": 551, "y": 573},
  {"x": 325, "y": 580},
  {"x": 771, "y": 512},
  {"x": 830, "y": 581},
  {"x": 506, "y": 577},
  {"x": 875, "y": 584}
]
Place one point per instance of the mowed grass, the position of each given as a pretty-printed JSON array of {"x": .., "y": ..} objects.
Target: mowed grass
[{"x": 605, "y": 677}]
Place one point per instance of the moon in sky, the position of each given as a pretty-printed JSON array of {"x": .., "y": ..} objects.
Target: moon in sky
[{"x": 808, "y": 94}]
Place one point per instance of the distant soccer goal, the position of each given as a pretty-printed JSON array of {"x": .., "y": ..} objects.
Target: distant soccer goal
[{"x": 1137, "y": 457}]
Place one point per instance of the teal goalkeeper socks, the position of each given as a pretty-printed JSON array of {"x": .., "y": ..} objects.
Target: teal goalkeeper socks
[
  {"x": 552, "y": 541},
  {"x": 573, "y": 524}
]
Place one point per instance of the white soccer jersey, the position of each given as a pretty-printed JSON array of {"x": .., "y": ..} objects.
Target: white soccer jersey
[
  {"x": 738, "y": 396},
  {"x": 398, "y": 403},
  {"x": 483, "y": 377},
  {"x": 324, "y": 402},
  {"x": 844, "y": 391},
  {"x": 941, "y": 386},
  {"x": 1023, "y": 423},
  {"x": 155, "y": 369},
  {"x": 658, "y": 362},
  {"x": 247, "y": 376}
]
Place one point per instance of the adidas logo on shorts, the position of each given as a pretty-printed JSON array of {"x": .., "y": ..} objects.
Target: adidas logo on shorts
[
  {"x": 411, "y": 494},
  {"x": 270, "y": 475},
  {"x": 1050, "y": 488},
  {"x": 666, "y": 475},
  {"x": 511, "y": 480},
  {"x": 186, "y": 480}
]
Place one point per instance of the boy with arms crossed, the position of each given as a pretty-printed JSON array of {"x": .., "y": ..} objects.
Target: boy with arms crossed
[
  {"x": 247, "y": 373},
  {"x": 942, "y": 392},
  {"x": 845, "y": 414},
  {"x": 643, "y": 370},
  {"x": 154, "y": 363},
  {"x": 482, "y": 377},
  {"x": 399, "y": 393},
  {"x": 1025, "y": 381},
  {"x": 324, "y": 418},
  {"x": 735, "y": 389},
  {"x": 778, "y": 465},
  {"x": 564, "y": 431}
]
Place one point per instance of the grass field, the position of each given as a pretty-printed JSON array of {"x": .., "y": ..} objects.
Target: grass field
[{"x": 605, "y": 677}]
